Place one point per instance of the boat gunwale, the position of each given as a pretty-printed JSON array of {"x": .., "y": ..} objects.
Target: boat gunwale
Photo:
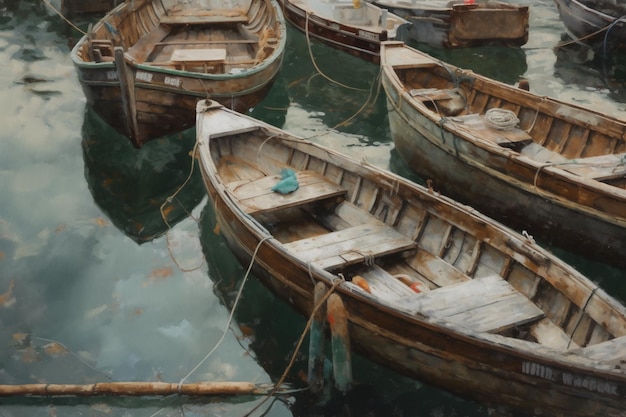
[
  {"x": 276, "y": 55},
  {"x": 538, "y": 353},
  {"x": 553, "y": 169}
]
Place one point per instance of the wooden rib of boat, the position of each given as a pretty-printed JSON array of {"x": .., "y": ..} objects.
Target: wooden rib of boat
[
  {"x": 353, "y": 26},
  {"x": 598, "y": 24},
  {"x": 495, "y": 317},
  {"x": 456, "y": 24},
  {"x": 535, "y": 163},
  {"x": 144, "y": 66}
]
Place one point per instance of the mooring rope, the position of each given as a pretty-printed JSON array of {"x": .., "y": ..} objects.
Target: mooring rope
[
  {"x": 589, "y": 35},
  {"x": 75, "y": 355},
  {"x": 308, "y": 42},
  {"x": 232, "y": 313},
  {"x": 226, "y": 328},
  {"x": 371, "y": 98},
  {"x": 622, "y": 162},
  {"x": 47, "y": 2},
  {"x": 501, "y": 119},
  {"x": 532, "y": 125},
  {"x": 169, "y": 200},
  {"x": 292, "y": 360}
]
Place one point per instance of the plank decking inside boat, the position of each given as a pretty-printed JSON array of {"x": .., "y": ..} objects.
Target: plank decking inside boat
[
  {"x": 144, "y": 65},
  {"x": 555, "y": 169},
  {"x": 431, "y": 288}
]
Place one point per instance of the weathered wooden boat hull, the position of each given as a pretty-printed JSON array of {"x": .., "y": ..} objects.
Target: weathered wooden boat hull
[
  {"x": 596, "y": 24},
  {"x": 162, "y": 108},
  {"x": 517, "y": 207},
  {"x": 360, "y": 40},
  {"x": 577, "y": 212},
  {"x": 145, "y": 96},
  {"x": 493, "y": 368},
  {"x": 446, "y": 24}
]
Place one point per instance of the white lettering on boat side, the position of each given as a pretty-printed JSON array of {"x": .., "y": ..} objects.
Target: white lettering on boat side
[
  {"x": 144, "y": 76},
  {"x": 567, "y": 378},
  {"x": 111, "y": 75},
  {"x": 368, "y": 35},
  {"x": 173, "y": 81}
]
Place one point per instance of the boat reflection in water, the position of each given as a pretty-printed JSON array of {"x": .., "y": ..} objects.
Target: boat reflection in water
[
  {"x": 132, "y": 187},
  {"x": 480, "y": 59},
  {"x": 578, "y": 65}
]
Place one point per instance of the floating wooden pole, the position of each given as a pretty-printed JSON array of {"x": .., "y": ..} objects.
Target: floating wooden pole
[
  {"x": 342, "y": 362},
  {"x": 134, "y": 389},
  {"x": 316, "y": 341}
]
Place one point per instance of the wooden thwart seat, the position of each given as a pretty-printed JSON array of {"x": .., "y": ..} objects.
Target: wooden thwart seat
[
  {"x": 257, "y": 195},
  {"x": 215, "y": 58},
  {"x": 209, "y": 42},
  {"x": 431, "y": 94},
  {"x": 142, "y": 49},
  {"x": 350, "y": 246},
  {"x": 488, "y": 304},
  {"x": 538, "y": 153},
  {"x": 600, "y": 168},
  {"x": 401, "y": 58},
  {"x": 436, "y": 270},
  {"x": 202, "y": 19}
]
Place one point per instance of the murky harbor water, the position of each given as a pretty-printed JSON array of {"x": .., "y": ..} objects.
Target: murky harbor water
[{"x": 104, "y": 277}]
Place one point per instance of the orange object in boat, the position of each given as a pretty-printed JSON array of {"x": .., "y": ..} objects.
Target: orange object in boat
[{"x": 361, "y": 282}]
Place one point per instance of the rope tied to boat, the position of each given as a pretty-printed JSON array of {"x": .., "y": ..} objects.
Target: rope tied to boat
[
  {"x": 47, "y": 2},
  {"x": 338, "y": 280},
  {"x": 230, "y": 317},
  {"x": 501, "y": 119}
]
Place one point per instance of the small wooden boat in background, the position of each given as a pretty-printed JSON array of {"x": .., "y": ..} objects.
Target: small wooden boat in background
[
  {"x": 353, "y": 26},
  {"x": 457, "y": 24},
  {"x": 551, "y": 168},
  {"x": 429, "y": 287},
  {"x": 596, "y": 23},
  {"x": 144, "y": 66}
]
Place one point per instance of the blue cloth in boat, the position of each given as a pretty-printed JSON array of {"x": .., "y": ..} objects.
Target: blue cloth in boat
[{"x": 288, "y": 183}]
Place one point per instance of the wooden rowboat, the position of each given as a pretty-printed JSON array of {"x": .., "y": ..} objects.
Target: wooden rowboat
[
  {"x": 145, "y": 65},
  {"x": 537, "y": 164},
  {"x": 457, "y": 24},
  {"x": 353, "y": 26},
  {"x": 598, "y": 24},
  {"x": 429, "y": 287}
]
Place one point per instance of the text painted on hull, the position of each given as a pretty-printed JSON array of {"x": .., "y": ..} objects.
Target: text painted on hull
[
  {"x": 144, "y": 76},
  {"x": 569, "y": 379}
]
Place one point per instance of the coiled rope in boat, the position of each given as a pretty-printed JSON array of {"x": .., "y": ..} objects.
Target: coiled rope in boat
[{"x": 501, "y": 119}]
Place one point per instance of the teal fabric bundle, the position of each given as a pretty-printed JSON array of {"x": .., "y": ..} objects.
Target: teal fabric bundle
[{"x": 288, "y": 183}]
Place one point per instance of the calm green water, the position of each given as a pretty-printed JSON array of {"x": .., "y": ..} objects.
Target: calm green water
[{"x": 96, "y": 286}]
